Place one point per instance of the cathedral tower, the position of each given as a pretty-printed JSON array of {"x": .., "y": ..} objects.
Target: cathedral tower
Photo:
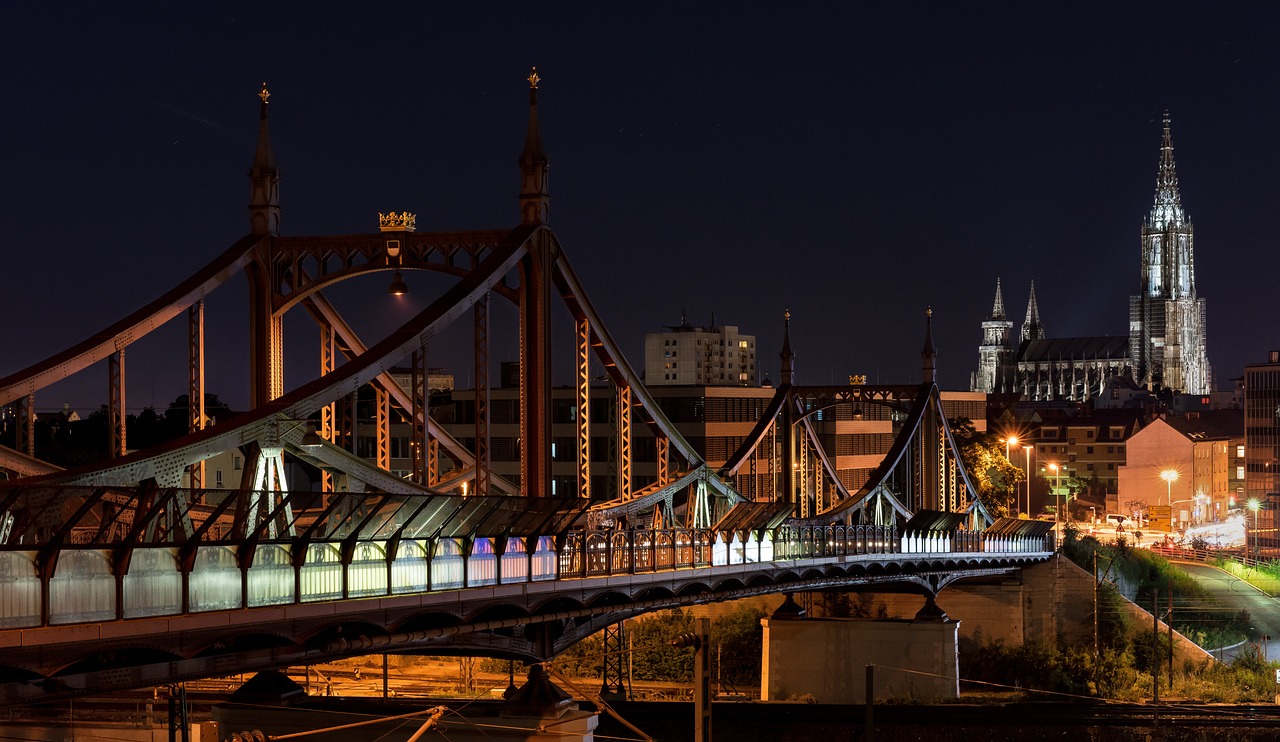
[
  {"x": 996, "y": 354},
  {"x": 1032, "y": 328},
  {"x": 1167, "y": 322}
]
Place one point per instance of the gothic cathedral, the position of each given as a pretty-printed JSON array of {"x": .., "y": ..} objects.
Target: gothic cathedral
[{"x": 1167, "y": 323}]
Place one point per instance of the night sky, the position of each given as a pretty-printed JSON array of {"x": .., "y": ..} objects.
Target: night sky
[{"x": 854, "y": 163}]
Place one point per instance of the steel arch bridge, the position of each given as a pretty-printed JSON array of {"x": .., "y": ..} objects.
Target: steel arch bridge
[{"x": 132, "y": 572}]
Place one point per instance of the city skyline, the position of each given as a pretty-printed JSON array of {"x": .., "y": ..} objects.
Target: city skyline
[{"x": 853, "y": 166}]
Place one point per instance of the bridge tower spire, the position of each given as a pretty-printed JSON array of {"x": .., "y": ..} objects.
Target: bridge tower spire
[
  {"x": 264, "y": 179},
  {"x": 928, "y": 354},
  {"x": 535, "y": 202},
  {"x": 788, "y": 369},
  {"x": 536, "y": 277}
]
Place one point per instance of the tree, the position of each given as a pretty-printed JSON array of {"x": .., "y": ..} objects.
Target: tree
[{"x": 993, "y": 475}]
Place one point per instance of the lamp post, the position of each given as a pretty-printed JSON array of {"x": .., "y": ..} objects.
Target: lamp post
[
  {"x": 1027, "y": 451},
  {"x": 1057, "y": 473},
  {"x": 1254, "y": 505},
  {"x": 1169, "y": 476}
]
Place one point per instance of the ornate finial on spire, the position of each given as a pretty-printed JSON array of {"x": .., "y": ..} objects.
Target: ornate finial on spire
[
  {"x": 787, "y": 315},
  {"x": 533, "y": 79},
  {"x": 264, "y": 94}
]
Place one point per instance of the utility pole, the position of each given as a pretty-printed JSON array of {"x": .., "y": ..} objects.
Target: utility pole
[
  {"x": 699, "y": 640},
  {"x": 1155, "y": 655}
]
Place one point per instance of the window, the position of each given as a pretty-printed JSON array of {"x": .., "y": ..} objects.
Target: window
[
  {"x": 217, "y": 478},
  {"x": 1089, "y": 450},
  {"x": 1239, "y": 472},
  {"x": 1240, "y": 451},
  {"x": 235, "y": 463}
]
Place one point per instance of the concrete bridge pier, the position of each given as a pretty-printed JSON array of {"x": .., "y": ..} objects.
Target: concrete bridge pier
[{"x": 823, "y": 660}]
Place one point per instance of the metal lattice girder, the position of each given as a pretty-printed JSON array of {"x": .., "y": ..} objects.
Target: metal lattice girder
[
  {"x": 351, "y": 347},
  {"x": 623, "y": 433},
  {"x": 116, "y": 414},
  {"x": 195, "y": 382},
  {"x": 615, "y": 661},
  {"x": 481, "y": 362},
  {"x": 418, "y": 415},
  {"x": 382, "y": 423},
  {"x": 328, "y": 413},
  {"x": 615, "y": 365},
  {"x": 661, "y": 444},
  {"x": 582, "y": 384},
  {"x": 26, "y": 432}
]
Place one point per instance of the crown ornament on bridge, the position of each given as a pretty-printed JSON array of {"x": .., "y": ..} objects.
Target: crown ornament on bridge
[{"x": 393, "y": 222}]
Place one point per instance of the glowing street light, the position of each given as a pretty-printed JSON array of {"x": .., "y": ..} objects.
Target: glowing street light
[
  {"x": 1169, "y": 476},
  {"x": 1255, "y": 506},
  {"x": 1010, "y": 441},
  {"x": 1057, "y": 473}
]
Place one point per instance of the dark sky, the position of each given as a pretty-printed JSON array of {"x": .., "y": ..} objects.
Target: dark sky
[{"x": 853, "y": 163}]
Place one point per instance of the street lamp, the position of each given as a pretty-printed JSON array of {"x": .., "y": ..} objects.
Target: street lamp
[
  {"x": 1027, "y": 451},
  {"x": 1169, "y": 476},
  {"x": 1254, "y": 505},
  {"x": 1010, "y": 441},
  {"x": 1057, "y": 473}
]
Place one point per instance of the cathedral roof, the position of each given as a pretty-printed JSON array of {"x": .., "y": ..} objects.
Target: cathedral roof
[{"x": 1111, "y": 347}]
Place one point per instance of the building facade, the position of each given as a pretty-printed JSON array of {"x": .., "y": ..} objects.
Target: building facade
[
  {"x": 1166, "y": 344},
  {"x": 699, "y": 356},
  {"x": 1262, "y": 444},
  {"x": 1183, "y": 471}
]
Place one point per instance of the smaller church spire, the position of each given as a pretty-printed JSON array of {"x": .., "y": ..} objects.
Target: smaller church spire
[
  {"x": 1167, "y": 210},
  {"x": 928, "y": 354},
  {"x": 997, "y": 311},
  {"x": 788, "y": 369},
  {"x": 535, "y": 201},
  {"x": 1032, "y": 329},
  {"x": 264, "y": 179}
]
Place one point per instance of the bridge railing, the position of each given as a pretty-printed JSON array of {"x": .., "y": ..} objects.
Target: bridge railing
[{"x": 89, "y": 584}]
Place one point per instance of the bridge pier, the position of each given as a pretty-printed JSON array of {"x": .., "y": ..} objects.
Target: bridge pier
[{"x": 821, "y": 659}]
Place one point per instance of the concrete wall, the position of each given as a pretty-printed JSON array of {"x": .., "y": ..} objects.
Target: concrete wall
[
  {"x": 824, "y": 660},
  {"x": 1048, "y": 602}
]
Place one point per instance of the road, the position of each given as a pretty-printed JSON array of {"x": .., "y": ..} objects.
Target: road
[{"x": 1236, "y": 594}]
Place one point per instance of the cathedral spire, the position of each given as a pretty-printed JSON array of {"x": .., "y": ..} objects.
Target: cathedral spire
[
  {"x": 1032, "y": 329},
  {"x": 928, "y": 355},
  {"x": 264, "y": 179},
  {"x": 1167, "y": 210},
  {"x": 535, "y": 202},
  {"x": 997, "y": 311},
  {"x": 788, "y": 370}
]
